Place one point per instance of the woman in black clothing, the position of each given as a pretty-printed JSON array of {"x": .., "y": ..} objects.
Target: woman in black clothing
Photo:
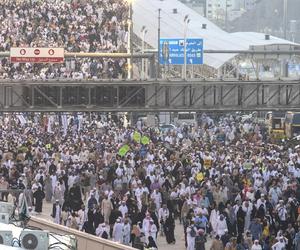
[
  {"x": 169, "y": 228},
  {"x": 148, "y": 182},
  {"x": 75, "y": 197},
  {"x": 97, "y": 217},
  {"x": 240, "y": 220},
  {"x": 38, "y": 195},
  {"x": 88, "y": 227},
  {"x": 151, "y": 243}
]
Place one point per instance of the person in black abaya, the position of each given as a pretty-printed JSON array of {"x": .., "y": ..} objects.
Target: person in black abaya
[
  {"x": 75, "y": 198},
  {"x": 261, "y": 212},
  {"x": 148, "y": 182},
  {"x": 169, "y": 228},
  {"x": 97, "y": 217},
  {"x": 240, "y": 220},
  {"x": 38, "y": 195},
  {"x": 151, "y": 243},
  {"x": 134, "y": 213},
  {"x": 88, "y": 227}
]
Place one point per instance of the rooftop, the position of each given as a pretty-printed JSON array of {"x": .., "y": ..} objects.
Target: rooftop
[{"x": 145, "y": 13}]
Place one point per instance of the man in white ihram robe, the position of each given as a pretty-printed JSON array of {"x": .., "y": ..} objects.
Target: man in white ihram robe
[
  {"x": 56, "y": 212},
  {"x": 123, "y": 209},
  {"x": 126, "y": 233},
  {"x": 153, "y": 230},
  {"x": 213, "y": 219},
  {"x": 118, "y": 231},
  {"x": 146, "y": 226},
  {"x": 221, "y": 226}
]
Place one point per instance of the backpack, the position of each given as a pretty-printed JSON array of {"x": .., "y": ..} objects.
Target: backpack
[
  {"x": 193, "y": 232},
  {"x": 104, "y": 235},
  {"x": 199, "y": 239}
]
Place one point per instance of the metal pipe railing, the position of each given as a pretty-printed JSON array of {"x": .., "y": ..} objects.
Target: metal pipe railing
[
  {"x": 152, "y": 53},
  {"x": 254, "y": 52},
  {"x": 96, "y": 55}
]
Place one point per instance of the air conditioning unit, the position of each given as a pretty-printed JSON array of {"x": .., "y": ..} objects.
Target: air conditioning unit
[
  {"x": 4, "y": 218},
  {"x": 73, "y": 241},
  {"x": 6, "y": 238},
  {"x": 6, "y": 207},
  {"x": 34, "y": 239}
]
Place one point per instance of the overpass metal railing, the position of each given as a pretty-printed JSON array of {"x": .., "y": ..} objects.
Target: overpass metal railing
[
  {"x": 154, "y": 52},
  {"x": 152, "y": 56},
  {"x": 96, "y": 55},
  {"x": 76, "y": 55},
  {"x": 134, "y": 82}
]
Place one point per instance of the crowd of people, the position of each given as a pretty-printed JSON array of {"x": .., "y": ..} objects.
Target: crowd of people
[
  {"x": 76, "y": 26},
  {"x": 222, "y": 179}
]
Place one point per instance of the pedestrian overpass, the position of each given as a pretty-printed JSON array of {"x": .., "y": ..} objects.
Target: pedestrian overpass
[{"x": 148, "y": 96}]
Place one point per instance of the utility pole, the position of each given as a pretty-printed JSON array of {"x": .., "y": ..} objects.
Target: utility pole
[
  {"x": 226, "y": 16},
  {"x": 186, "y": 22},
  {"x": 130, "y": 42},
  {"x": 144, "y": 72},
  {"x": 285, "y": 18},
  {"x": 158, "y": 45}
]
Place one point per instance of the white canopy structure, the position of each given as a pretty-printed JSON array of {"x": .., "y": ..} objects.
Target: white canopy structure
[{"x": 145, "y": 13}]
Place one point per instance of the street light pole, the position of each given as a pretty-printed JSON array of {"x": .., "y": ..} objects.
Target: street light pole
[
  {"x": 143, "y": 31},
  {"x": 158, "y": 45},
  {"x": 226, "y": 16},
  {"x": 186, "y": 22},
  {"x": 285, "y": 18},
  {"x": 130, "y": 41}
]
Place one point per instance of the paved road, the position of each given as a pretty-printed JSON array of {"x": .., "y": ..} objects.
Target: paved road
[{"x": 162, "y": 243}]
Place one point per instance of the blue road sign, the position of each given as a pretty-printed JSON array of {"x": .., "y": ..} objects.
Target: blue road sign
[
  {"x": 294, "y": 68},
  {"x": 172, "y": 51}
]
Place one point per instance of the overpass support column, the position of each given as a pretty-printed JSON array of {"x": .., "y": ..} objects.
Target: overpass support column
[
  {"x": 284, "y": 68},
  {"x": 220, "y": 73}
]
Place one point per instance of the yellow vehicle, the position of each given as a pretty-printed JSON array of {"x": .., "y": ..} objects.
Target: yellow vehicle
[
  {"x": 275, "y": 124},
  {"x": 292, "y": 124}
]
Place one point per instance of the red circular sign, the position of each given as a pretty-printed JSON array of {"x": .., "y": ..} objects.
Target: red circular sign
[
  {"x": 37, "y": 51},
  {"x": 22, "y": 52},
  {"x": 51, "y": 52}
]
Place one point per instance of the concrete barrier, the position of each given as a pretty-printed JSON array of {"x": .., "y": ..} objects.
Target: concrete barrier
[{"x": 84, "y": 241}]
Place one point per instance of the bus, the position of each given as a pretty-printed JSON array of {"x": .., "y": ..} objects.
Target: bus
[
  {"x": 275, "y": 125},
  {"x": 292, "y": 124},
  {"x": 186, "y": 118}
]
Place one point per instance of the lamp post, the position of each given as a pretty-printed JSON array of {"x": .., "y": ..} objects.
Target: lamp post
[
  {"x": 186, "y": 22},
  {"x": 130, "y": 42},
  {"x": 285, "y": 10},
  {"x": 158, "y": 45},
  {"x": 143, "y": 31},
  {"x": 226, "y": 16}
]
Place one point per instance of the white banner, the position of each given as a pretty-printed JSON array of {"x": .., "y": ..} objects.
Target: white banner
[
  {"x": 80, "y": 118},
  {"x": 49, "y": 125},
  {"x": 64, "y": 122},
  {"x": 21, "y": 119}
]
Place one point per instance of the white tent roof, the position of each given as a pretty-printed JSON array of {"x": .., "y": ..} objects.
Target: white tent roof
[{"x": 145, "y": 13}]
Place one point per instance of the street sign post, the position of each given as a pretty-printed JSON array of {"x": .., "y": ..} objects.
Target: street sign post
[
  {"x": 36, "y": 55},
  {"x": 172, "y": 51}
]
